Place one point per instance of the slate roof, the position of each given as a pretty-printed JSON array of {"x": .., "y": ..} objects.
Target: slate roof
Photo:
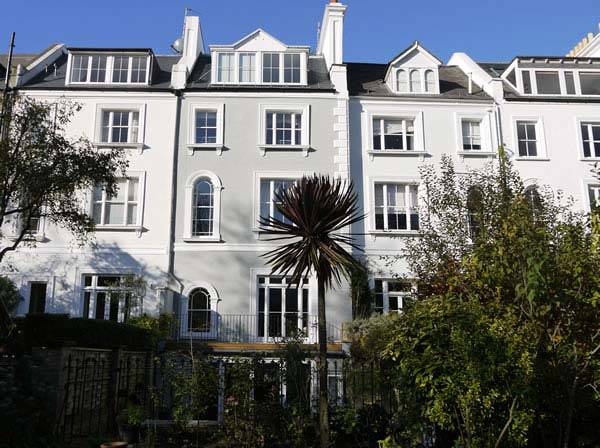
[
  {"x": 53, "y": 77},
  {"x": 18, "y": 59},
  {"x": 318, "y": 79},
  {"x": 368, "y": 80}
]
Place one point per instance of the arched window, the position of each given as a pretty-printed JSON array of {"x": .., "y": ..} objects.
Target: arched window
[
  {"x": 415, "y": 81},
  {"x": 532, "y": 195},
  {"x": 429, "y": 81},
  {"x": 401, "y": 81},
  {"x": 199, "y": 311},
  {"x": 474, "y": 211},
  {"x": 203, "y": 204}
]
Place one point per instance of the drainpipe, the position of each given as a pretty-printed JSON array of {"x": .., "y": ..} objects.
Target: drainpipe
[{"x": 171, "y": 271}]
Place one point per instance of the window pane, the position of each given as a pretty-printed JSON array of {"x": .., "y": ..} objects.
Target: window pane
[
  {"x": 120, "y": 68},
  {"x": 247, "y": 67},
  {"x": 139, "y": 68},
  {"x": 512, "y": 77},
  {"x": 98, "y": 70},
  {"x": 270, "y": 67},
  {"x": 377, "y": 133},
  {"x": 526, "y": 82},
  {"x": 291, "y": 68},
  {"x": 79, "y": 70},
  {"x": 402, "y": 81},
  {"x": 415, "y": 81},
  {"x": 429, "y": 81},
  {"x": 114, "y": 213},
  {"x": 590, "y": 83},
  {"x": 570, "y": 83},
  {"x": 225, "y": 67},
  {"x": 547, "y": 83}
]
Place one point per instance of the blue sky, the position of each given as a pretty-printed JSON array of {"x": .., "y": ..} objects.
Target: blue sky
[{"x": 376, "y": 30}]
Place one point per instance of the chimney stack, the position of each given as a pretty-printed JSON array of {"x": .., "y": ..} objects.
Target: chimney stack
[{"x": 331, "y": 37}]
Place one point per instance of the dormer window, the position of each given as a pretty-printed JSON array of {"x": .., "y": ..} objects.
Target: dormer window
[
  {"x": 542, "y": 76},
  {"x": 108, "y": 69},
  {"x": 291, "y": 68},
  {"x": 429, "y": 81},
  {"x": 402, "y": 81},
  {"x": 415, "y": 81},
  {"x": 271, "y": 67},
  {"x": 225, "y": 67},
  {"x": 247, "y": 67},
  {"x": 547, "y": 83},
  {"x": 590, "y": 83}
]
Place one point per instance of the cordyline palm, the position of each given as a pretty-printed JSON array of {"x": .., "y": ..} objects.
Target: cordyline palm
[{"x": 315, "y": 210}]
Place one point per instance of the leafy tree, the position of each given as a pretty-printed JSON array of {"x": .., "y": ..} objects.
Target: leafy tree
[
  {"x": 316, "y": 211},
  {"x": 43, "y": 172},
  {"x": 501, "y": 345}
]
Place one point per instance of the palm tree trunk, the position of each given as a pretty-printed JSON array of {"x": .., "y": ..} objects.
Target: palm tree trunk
[{"x": 323, "y": 387}]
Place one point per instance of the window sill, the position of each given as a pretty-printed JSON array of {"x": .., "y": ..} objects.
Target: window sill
[
  {"x": 102, "y": 145},
  {"x": 590, "y": 159},
  {"x": 264, "y": 148},
  {"x": 192, "y": 147},
  {"x": 37, "y": 237},
  {"x": 532, "y": 159},
  {"x": 394, "y": 233},
  {"x": 476, "y": 153},
  {"x": 396, "y": 153},
  {"x": 111, "y": 228},
  {"x": 202, "y": 239}
]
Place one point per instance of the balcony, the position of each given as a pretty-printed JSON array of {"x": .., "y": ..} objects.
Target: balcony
[{"x": 273, "y": 329}]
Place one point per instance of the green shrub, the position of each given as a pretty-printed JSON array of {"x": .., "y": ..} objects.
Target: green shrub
[{"x": 9, "y": 294}]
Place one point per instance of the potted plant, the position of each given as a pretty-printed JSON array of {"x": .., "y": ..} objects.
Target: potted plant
[{"x": 129, "y": 422}]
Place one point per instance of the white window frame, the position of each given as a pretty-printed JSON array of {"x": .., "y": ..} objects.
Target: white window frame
[
  {"x": 109, "y": 68},
  {"x": 254, "y": 72},
  {"x": 138, "y": 226},
  {"x": 271, "y": 175},
  {"x": 540, "y": 138},
  {"x": 386, "y": 293},
  {"x": 422, "y": 79},
  {"x": 486, "y": 126},
  {"x": 587, "y": 184},
  {"x": 371, "y": 204},
  {"x": 303, "y": 109},
  {"x": 218, "y": 146},
  {"x": 94, "y": 289},
  {"x": 579, "y": 121},
  {"x": 377, "y": 111},
  {"x": 382, "y": 134},
  {"x": 97, "y": 131},
  {"x": 214, "y": 308},
  {"x": 189, "y": 197}
]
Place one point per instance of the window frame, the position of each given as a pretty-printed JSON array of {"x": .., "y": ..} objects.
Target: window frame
[
  {"x": 214, "y": 308},
  {"x": 589, "y": 121},
  {"x": 94, "y": 289},
  {"x": 138, "y": 225},
  {"x": 127, "y": 107},
  {"x": 232, "y": 67},
  {"x": 190, "y": 184},
  {"x": 587, "y": 185},
  {"x": 387, "y": 293},
  {"x": 303, "y": 109},
  {"x": 259, "y": 176},
  {"x": 393, "y": 113},
  {"x": 404, "y": 121},
  {"x": 372, "y": 205},
  {"x": 195, "y": 107},
  {"x": 109, "y": 68},
  {"x": 540, "y": 138},
  {"x": 486, "y": 124},
  {"x": 254, "y": 72}
]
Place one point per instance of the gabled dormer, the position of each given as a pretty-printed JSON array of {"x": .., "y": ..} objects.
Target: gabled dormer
[
  {"x": 414, "y": 71},
  {"x": 109, "y": 66},
  {"x": 259, "y": 59}
]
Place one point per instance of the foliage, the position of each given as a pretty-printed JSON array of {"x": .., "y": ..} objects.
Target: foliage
[
  {"x": 9, "y": 294},
  {"x": 316, "y": 212},
  {"x": 362, "y": 297},
  {"x": 364, "y": 426},
  {"x": 35, "y": 145},
  {"x": 370, "y": 337},
  {"x": 133, "y": 414},
  {"x": 501, "y": 348},
  {"x": 58, "y": 330},
  {"x": 160, "y": 327}
]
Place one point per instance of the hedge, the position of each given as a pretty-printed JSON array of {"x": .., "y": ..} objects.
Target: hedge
[{"x": 59, "y": 330}]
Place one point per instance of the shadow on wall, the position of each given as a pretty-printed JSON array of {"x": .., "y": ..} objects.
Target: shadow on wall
[{"x": 63, "y": 274}]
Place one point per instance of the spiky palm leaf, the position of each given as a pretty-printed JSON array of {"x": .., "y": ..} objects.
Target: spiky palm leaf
[{"x": 315, "y": 210}]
